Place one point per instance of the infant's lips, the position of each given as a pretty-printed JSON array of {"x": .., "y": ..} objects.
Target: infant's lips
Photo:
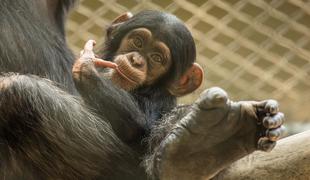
[
  {"x": 108, "y": 64},
  {"x": 124, "y": 75}
]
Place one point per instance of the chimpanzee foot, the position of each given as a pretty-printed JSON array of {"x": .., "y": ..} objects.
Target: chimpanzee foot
[{"x": 215, "y": 133}]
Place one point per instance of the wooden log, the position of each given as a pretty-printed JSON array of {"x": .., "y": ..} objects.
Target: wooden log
[{"x": 290, "y": 160}]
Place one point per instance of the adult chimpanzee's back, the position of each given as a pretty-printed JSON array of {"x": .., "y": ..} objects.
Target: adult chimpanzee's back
[
  {"x": 45, "y": 133},
  {"x": 32, "y": 39}
]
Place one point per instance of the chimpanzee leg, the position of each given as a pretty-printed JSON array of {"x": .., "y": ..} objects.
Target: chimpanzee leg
[{"x": 45, "y": 133}]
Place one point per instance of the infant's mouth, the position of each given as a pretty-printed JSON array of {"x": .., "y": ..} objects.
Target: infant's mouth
[
  {"x": 112, "y": 65},
  {"x": 119, "y": 70}
]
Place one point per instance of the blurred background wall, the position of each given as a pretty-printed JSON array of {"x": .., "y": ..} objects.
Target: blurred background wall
[{"x": 254, "y": 49}]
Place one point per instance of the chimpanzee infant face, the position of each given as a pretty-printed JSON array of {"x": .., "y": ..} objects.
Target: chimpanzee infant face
[{"x": 141, "y": 58}]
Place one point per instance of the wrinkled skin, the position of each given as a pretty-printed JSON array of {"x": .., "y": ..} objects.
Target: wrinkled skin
[{"x": 215, "y": 133}]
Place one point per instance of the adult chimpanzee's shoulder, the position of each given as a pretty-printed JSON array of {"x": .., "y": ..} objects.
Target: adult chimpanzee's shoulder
[{"x": 32, "y": 43}]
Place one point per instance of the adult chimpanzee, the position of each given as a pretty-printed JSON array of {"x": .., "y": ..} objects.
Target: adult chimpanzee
[{"x": 46, "y": 133}]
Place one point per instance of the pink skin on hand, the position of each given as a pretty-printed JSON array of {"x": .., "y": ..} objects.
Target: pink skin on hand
[{"x": 88, "y": 53}]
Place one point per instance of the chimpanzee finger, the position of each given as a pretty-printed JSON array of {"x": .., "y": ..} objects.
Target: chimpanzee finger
[
  {"x": 275, "y": 134},
  {"x": 272, "y": 107},
  {"x": 89, "y": 46},
  {"x": 264, "y": 144},
  {"x": 104, "y": 64},
  {"x": 275, "y": 121},
  {"x": 88, "y": 53}
]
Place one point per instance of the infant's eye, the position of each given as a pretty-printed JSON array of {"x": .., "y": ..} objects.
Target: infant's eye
[
  {"x": 157, "y": 58},
  {"x": 137, "y": 41}
]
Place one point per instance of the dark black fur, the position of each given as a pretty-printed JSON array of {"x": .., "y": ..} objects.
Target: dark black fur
[
  {"x": 45, "y": 131},
  {"x": 30, "y": 43},
  {"x": 156, "y": 100}
]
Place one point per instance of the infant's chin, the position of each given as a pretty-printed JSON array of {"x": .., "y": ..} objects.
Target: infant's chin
[{"x": 122, "y": 82}]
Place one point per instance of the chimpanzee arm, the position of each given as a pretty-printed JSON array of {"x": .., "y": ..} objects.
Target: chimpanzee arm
[
  {"x": 198, "y": 141},
  {"x": 117, "y": 105},
  {"x": 45, "y": 133}
]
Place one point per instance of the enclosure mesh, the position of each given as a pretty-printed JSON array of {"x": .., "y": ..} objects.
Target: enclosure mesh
[{"x": 254, "y": 49}]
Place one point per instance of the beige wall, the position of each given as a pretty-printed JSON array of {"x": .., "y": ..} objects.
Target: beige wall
[{"x": 255, "y": 49}]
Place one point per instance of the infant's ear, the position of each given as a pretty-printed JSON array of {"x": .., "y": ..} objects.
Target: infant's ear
[
  {"x": 189, "y": 82},
  {"x": 118, "y": 21}
]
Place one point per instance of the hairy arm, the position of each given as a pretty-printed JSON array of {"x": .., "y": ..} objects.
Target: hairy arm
[
  {"x": 107, "y": 100},
  {"x": 45, "y": 132}
]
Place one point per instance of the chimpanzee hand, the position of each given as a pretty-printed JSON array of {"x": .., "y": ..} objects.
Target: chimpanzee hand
[
  {"x": 258, "y": 124},
  {"x": 217, "y": 132},
  {"x": 84, "y": 67}
]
